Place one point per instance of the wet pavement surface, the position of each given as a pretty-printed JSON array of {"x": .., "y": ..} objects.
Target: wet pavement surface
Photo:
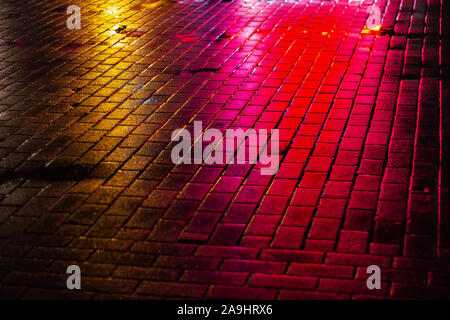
[{"x": 86, "y": 176}]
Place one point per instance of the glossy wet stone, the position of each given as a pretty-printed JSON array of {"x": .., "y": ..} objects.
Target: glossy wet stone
[{"x": 86, "y": 177}]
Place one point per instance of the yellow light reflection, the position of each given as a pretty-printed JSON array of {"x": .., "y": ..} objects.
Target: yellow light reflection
[
  {"x": 375, "y": 29},
  {"x": 112, "y": 12},
  {"x": 118, "y": 45},
  {"x": 113, "y": 30},
  {"x": 152, "y": 5}
]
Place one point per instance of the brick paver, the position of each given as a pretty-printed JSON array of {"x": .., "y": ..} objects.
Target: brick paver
[{"x": 86, "y": 177}]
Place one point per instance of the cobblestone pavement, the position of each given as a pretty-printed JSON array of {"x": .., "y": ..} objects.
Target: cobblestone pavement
[{"x": 86, "y": 177}]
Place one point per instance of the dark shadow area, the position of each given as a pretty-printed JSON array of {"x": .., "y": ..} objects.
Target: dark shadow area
[{"x": 73, "y": 172}]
